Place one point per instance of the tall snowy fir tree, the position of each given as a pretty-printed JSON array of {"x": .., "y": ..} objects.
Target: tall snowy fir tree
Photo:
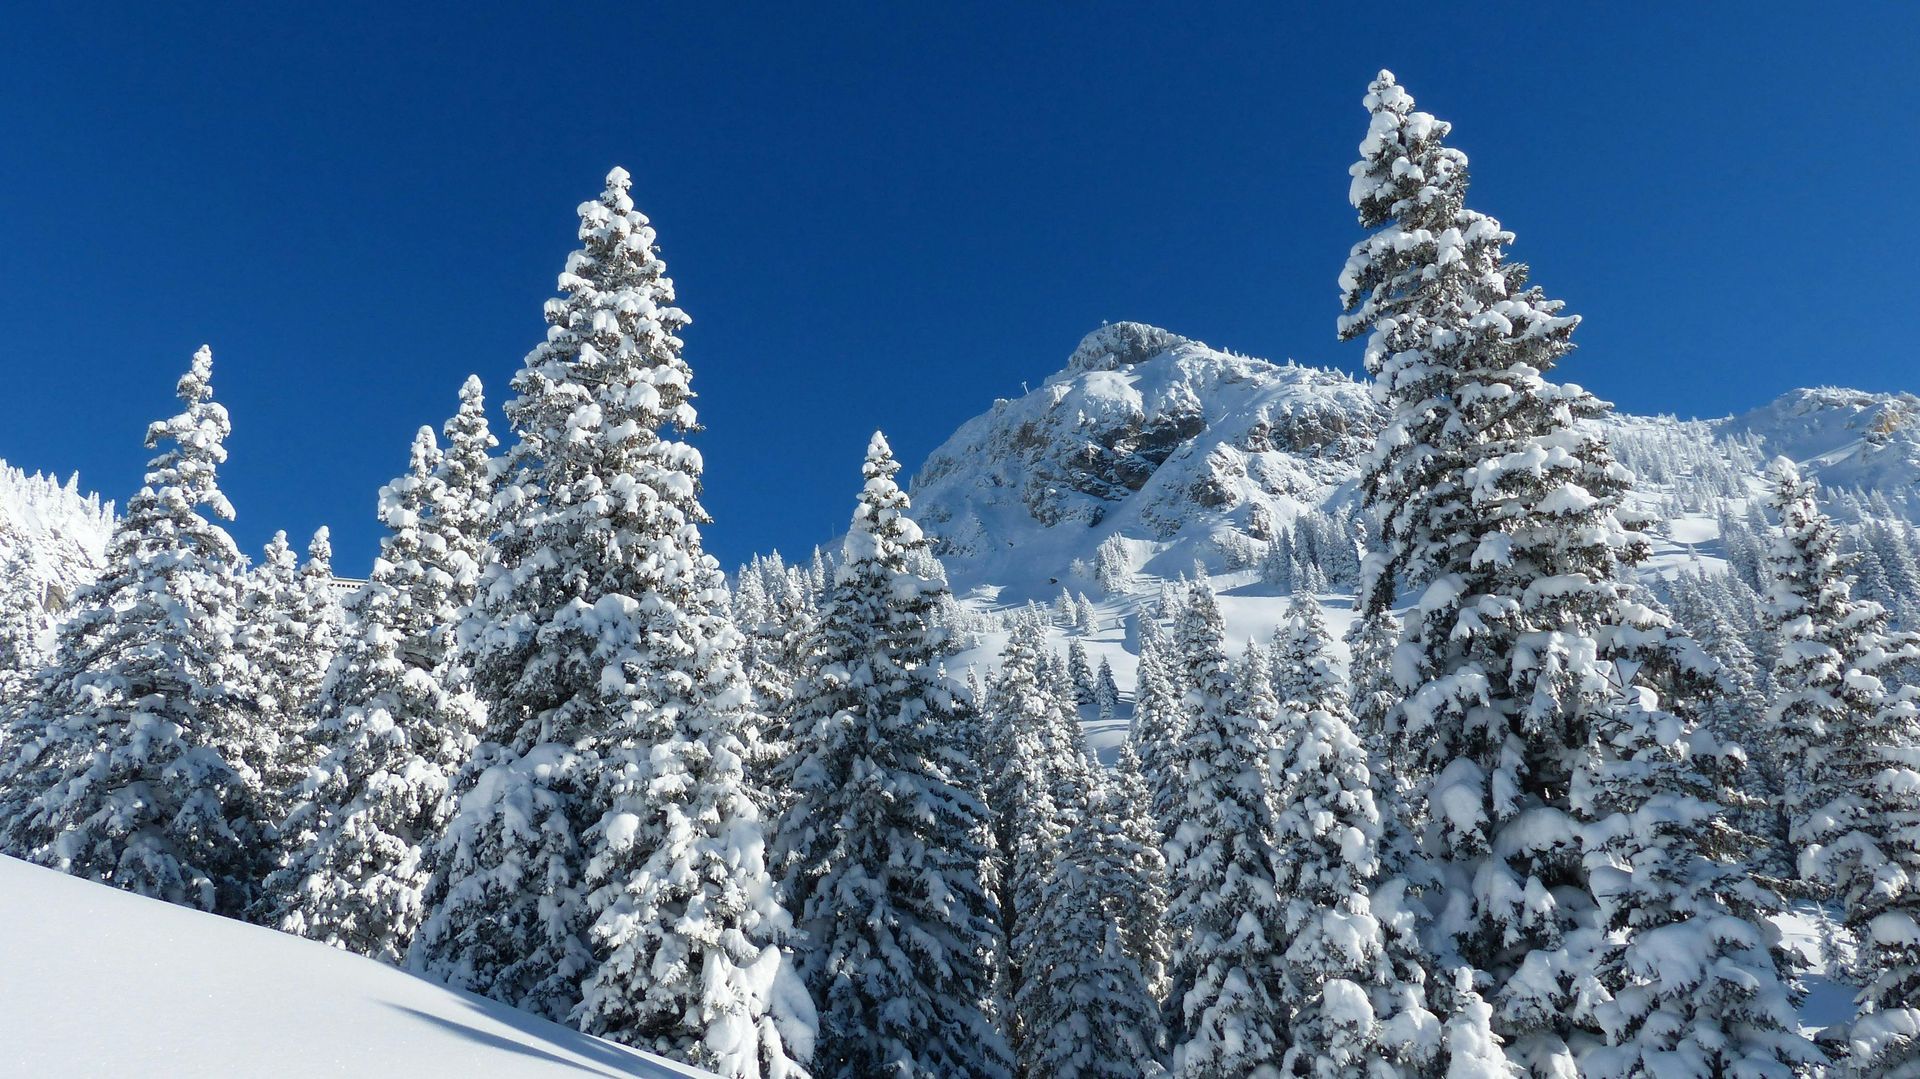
[
  {"x": 1850, "y": 735},
  {"x": 1355, "y": 997},
  {"x": 1500, "y": 509},
  {"x": 1141, "y": 902},
  {"x": 1371, "y": 643},
  {"x": 1828, "y": 641},
  {"x": 887, "y": 833},
  {"x": 1030, "y": 765},
  {"x": 394, "y": 736},
  {"x": 287, "y": 641},
  {"x": 319, "y": 609},
  {"x": 461, "y": 513},
  {"x": 1159, "y": 723},
  {"x": 618, "y": 712},
  {"x": 1085, "y": 1004},
  {"x": 122, "y": 778},
  {"x": 1224, "y": 1012}
]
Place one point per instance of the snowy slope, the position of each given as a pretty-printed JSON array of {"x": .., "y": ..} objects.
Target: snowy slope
[{"x": 94, "y": 981}]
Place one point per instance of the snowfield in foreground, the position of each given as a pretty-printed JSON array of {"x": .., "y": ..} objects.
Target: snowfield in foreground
[{"x": 94, "y": 981}]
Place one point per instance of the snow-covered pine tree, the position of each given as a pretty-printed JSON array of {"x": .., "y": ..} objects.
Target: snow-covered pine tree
[
  {"x": 1370, "y": 643},
  {"x": 1851, "y": 743},
  {"x": 1691, "y": 964},
  {"x": 461, "y": 511},
  {"x": 1085, "y": 1005},
  {"x": 1025, "y": 766},
  {"x": 1159, "y": 723},
  {"x": 887, "y": 833},
  {"x": 1225, "y": 1015},
  {"x": 1141, "y": 899},
  {"x": 1080, "y": 672},
  {"x": 1500, "y": 509},
  {"x": 1106, "y": 692},
  {"x": 1828, "y": 639},
  {"x": 286, "y": 642},
  {"x": 319, "y": 607},
  {"x": 394, "y": 736},
  {"x": 1456, "y": 339},
  {"x": 123, "y": 780},
  {"x": 1112, "y": 566},
  {"x": 1356, "y": 1010},
  {"x": 601, "y": 643}
]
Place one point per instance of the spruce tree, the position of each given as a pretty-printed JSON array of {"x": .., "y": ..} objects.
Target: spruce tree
[
  {"x": 1027, "y": 769},
  {"x": 287, "y": 640},
  {"x": 1141, "y": 902},
  {"x": 1159, "y": 724},
  {"x": 1086, "y": 1004},
  {"x": 1226, "y": 1016},
  {"x": 600, "y": 640},
  {"x": 1829, "y": 640},
  {"x": 1526, "y": 660},
  {"x": 1106, "y": 692},
  {"x": 126, "y": 778},
  {"x": 394, "y": 736},
  {"x": 1357, "y": 1009},
  {"x": 1852, "y": 740},
  {"x": 887, "y": 832},
  {"x": 1080, "y": 672},
  {"x": 1371, "y": 642},
  {"x": 319, "y": 607}
]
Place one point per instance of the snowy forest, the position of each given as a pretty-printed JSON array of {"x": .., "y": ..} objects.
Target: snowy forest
[{"x": 1442, "y": 723}]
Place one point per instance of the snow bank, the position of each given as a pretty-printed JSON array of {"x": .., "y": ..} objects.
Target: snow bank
[{"x": 94, "y": 981}]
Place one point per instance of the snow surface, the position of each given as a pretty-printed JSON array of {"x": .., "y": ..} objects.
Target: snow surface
[{"x": 95, "y": 981}]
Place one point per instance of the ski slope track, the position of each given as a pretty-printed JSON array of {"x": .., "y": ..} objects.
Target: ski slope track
[{"x": 98, "y": 982}]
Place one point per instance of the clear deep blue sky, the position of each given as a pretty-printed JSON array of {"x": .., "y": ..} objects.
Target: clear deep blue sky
[{"x": 880, "y": 216}]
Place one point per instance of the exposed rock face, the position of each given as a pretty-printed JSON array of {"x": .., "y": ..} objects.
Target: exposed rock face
[{"x": 1147, "y": 435}]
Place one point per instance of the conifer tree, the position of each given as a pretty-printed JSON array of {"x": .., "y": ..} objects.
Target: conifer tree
[
  {"x": 1829, "y": 640},
  {"x": 1080, "y": 672},
  {"x": 1027, "y": 768},
  {"x": 319, "y": 608},
  {"x": 461, "y": 511},
  {"x": 125, "y": 779},
  {"x": 1141, "y": 897},
  {"x": 1226, "y": 1017},
  {"x": 394, "y": 736},
  {"x": 1500, "y": 509},
  {"x": 1106, "y": 692},
  {"x": 462, "y": 508},
  {"x": 887, "y": 834},
  {"x": 1354, "y": 1011},
  {"x": 1159, "y": 724},
  {"x": 287, "y": 640},
  {"x": 1085, "y": 1003},
  {"x": 601, "y": 644},
  {"x": 1853, "y": 740},
  {"x": 1371, "y": 642}
]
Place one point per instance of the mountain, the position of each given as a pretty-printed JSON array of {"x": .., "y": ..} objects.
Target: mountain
[
  {"x": 1175, "y": 449},
  {"x": 100, "y": 982},
  {"x": 1180, "y": 453},
  {"x": 1845, "y": 438}
]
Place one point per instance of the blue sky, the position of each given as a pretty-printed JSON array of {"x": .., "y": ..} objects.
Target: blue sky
[{"x": 883, "y": 216}]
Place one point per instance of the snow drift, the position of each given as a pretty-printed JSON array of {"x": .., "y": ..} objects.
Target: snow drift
[{"x": 95, "y": 981}]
